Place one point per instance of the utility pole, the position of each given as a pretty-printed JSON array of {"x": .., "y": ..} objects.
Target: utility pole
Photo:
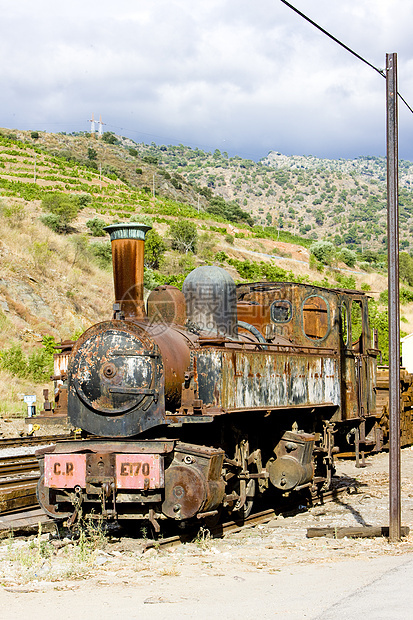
[
  {"x": 394, "y": 301},
  {"x": 34, "y": 179}
]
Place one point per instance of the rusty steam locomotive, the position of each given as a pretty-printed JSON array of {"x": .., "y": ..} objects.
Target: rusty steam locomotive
[{"x": 211, "y": 396}]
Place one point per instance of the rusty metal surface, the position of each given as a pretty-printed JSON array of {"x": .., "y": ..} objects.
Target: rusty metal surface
[
  {"x": 115, "y": 370},
  {"x": 106, "y": 446},
  {"x": 193, "y": 482},
  {"x": 292, "y": 465},
  {"x": 166, "y": 305},
  {"x": 242, "y": 379},
  {"x": 309, "y": 320},
  {"x": 127, "y": 255}
]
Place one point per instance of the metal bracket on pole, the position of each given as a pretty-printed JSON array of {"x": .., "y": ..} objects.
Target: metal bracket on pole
[{"x": 394, "y": 302}]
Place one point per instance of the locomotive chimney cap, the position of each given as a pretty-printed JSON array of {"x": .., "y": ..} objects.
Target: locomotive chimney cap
[{"x": 129, "y": 230}]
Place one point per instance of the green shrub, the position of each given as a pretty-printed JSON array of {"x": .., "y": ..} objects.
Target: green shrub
[
  {"x": 83, "y": 200},
  {"x": 14, "y": 214},
  {"x": 14, "y": 361},
  {"x": 150, "y": 159},
  {"x": 349, "y": 257},
  {"x": 38, "y": 366},
  {"x": 406, "y": 296},
  {"x": 96, "y": 226},
  {"x": 406, "y": 268},
  {"x": 384, "y": 297},
  {"x": 231, "y": 211},
  {"x": 41, "y": 253},
  {"x": 53, "y": 222},
  {"x": 142, "y": 219},
  {"x": 139, "y": 171},
  {"x": 102, "y": 253},
  {"x": 229, "y": 239},
  {"x": 347, "y": 282},
  {"x": 221, "y": 257},
  {"x": 324, "y": 251}
]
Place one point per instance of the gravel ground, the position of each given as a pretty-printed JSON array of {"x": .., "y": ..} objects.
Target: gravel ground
[{"x": 262, "y": 555}]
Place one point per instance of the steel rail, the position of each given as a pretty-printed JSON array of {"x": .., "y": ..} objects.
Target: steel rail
[
  {"x": 259, "y": 518},
  {"x": 18, "y": 464},
  {"x": 19, "y": 442}
]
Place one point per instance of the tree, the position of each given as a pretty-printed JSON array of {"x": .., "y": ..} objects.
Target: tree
[
  {"x": 62, "y": 210},
  {"x": 406, "y": 268},
  {"x": 154, "y": 249},
  {"x": 319, "y": 218},
  {"x": 109, "y": 137},
  {"x": 184, "y": 236},
  {"x": 91, "y": 153},
  {"x": 324, "y": 251},
  {"x": 349, "y": 257}
]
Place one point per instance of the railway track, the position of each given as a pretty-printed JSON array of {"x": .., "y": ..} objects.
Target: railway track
[
  {"x": 253, "y": 520},
  {"x": 19, "y": 473},
  {"x": 17, "y": 465},
  {"x": 18, "y": 480},
  {"x": 18, "y": 442},
  {"x": 27, "y": 521}
]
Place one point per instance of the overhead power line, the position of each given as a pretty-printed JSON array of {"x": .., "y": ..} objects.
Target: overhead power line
[{"x": 382, "y": 72}]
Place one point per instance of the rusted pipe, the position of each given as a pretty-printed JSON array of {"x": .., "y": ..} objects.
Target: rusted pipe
[{"x": 128, "y": 244}]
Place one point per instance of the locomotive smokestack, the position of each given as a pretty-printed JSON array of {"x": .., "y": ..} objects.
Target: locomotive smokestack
[{"x": 128, "y": 242}]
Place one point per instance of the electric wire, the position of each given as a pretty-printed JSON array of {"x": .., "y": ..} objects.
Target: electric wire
[{"x": 381, "y": 72}]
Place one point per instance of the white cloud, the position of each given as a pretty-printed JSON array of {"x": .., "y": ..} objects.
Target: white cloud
[{"x": 241, "y": 76}]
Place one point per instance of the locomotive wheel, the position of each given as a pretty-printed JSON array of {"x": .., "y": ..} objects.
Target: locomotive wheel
[
  {"x": 244, "y": 510},
  {"x": 42, "y": 494}
]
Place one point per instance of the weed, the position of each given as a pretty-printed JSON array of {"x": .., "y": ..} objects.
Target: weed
[
  {"x": 41, "y": 254},
  {"x": 91, "y": 537},
  {"x": 170, "y": 571},
  {"x": 203, "y": 538},
  {"x": 14, "y": 214}
]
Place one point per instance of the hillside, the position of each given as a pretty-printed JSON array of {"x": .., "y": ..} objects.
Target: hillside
[
  {"x": 53, "y": 286},
  {"x": 339, "y": 200}
]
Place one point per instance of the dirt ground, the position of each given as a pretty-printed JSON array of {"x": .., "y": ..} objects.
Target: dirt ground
[{"x": 204, "y": 573}]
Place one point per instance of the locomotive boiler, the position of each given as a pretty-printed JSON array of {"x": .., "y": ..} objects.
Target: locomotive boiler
[{"x": 210, "y": 397}]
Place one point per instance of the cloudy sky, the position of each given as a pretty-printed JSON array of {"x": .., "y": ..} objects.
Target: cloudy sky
[{"x": 242, "y": 76}]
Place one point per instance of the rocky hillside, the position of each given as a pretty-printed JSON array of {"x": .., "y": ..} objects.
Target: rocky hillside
[{"x": 339, "y": 200}]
